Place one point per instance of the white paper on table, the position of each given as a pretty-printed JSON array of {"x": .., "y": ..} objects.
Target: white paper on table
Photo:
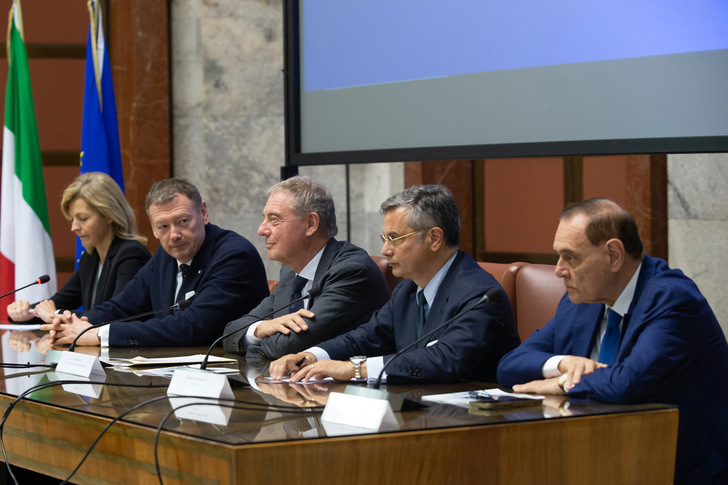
[{"x": 464, "y": 398}]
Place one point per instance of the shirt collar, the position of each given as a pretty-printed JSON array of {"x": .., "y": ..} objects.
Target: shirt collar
[
  {"x": 309, "y": 271},
  {"x": 624, "y": 301},
  {"x": 434, "y": 284}
]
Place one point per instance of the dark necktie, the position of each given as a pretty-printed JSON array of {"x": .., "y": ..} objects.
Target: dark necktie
[
  {"x": 185, "y": 270},
  {"x": 298, "y": 285},
  {"x": 610, "y": 342},
  {"x": 421, "y": 312}
]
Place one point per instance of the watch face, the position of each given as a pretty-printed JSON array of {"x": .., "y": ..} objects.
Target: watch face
[{"x": 358, "y": 359}]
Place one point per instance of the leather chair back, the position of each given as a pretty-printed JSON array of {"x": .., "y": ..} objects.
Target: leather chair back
[
  {"x": 391, "y": 280},
  {"x": 538, "y": 292},
  {"x": 505, "y": 274}
]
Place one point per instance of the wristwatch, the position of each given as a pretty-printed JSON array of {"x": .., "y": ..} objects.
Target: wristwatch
[{"x": 357, "y": 361}]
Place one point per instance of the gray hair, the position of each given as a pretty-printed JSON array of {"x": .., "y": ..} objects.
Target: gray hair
[
  {"x": 428, "y": 206},
  {"x": 309, "y": 195}
]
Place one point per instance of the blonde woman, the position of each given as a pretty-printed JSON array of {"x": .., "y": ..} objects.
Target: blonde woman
[{"x": 102, "y": 218}]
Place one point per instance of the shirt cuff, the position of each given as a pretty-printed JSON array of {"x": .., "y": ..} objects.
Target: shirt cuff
[
  {"x": 104, "y": 335},
  {"x": 250, "y": 338},
  {"x": 374, "y": 367},
  {"x": 550, "y": 368},
  {"x": 318, "y": 352}
]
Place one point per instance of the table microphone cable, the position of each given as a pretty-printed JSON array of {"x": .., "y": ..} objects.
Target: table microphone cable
[
  {"x": 230, "y": 404},
  {"x": 27, "y": 365},
  {"x": 255, "y": 407},
  {"x": 45, "y": 385}
]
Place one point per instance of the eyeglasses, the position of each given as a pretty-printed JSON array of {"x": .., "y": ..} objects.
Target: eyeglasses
[{"x": 391, "y": 240}]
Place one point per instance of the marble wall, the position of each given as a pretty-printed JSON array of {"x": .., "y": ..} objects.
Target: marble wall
[
  {"x": 227, "y": 60},
  {"x": 228, "y": 124},
  {"x": 698, "y": 222}
]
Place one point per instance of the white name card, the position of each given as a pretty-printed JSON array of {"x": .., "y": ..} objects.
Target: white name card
[
  {"x": 80, "y": 365},
  {"x": 360, "y": 412},
  {"x": 196, "y": 382}
]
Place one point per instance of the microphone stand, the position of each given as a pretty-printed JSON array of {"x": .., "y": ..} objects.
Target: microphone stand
[
  {"x": 312, "y": 293},
  {"x": 489, "y": 295},
  {"x": 41, "y": 280},
  {"x": 180, "y": 305}
]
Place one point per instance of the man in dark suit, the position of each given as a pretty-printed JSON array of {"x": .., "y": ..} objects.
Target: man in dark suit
[
  {"x": 219, "y": 271},
  {"x": 629, "y": 330},
  {"x": 299, "y": 225},
  {"x": 421, "y": 236}
]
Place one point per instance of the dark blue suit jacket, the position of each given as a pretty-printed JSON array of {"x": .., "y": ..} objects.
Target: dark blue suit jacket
[
  {"x": 228, "y": 280},
  {"x": 352, "y": 288},
  {"x": 469, "y": 348},
  {"x": 672, "y": 351}
]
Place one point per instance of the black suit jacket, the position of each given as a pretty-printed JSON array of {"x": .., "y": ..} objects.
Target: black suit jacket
[
  {"x": 124, "y": 259},
  {"x": 228, "y": 279},
  {"x": 352, "y": 288},
  {"x": 469, "y": 348}
]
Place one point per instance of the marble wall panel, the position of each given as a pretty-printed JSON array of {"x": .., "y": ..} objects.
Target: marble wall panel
[
  {"x": 228, "y": 123},
  {"x": 698, "y": 224}
]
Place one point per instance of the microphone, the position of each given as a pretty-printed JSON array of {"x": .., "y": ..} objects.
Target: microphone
[
  {"x": 41, "y": 280},
  {"x": 488, "y": 296},
  {"x": 180, "y": 305},
  {"x": 312, "y": 293}
]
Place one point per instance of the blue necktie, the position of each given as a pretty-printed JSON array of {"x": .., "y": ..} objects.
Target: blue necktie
[
  {"x": 610, "y": 342},
  {"x": 421, "y": 312},
  {"x": 298, "y": 285},
  {"x": 186, "y": 273}
]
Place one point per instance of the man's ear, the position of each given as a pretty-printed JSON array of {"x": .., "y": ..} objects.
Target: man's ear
[
  {"x": 616, "y": 253},
  {"x": 203, "y": 211},
  {"x": 312, "y": 223},
  {"x": 437, "y": 238}
]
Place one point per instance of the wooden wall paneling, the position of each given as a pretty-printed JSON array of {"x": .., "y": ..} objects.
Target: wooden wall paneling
[
  {"x": 138, "y": 39},
  {"x": 457, "y": 175}
]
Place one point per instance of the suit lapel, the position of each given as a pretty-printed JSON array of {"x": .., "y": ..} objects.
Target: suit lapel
[
  {"x": 87, "y": 284},
  {"x": 410, "y": 317},
  {"x": 583, "y": 339},
  {"x": 101, "y": 288},
  {"x": 327, "y": 258},
  {"x": 442, "y": 298},
  {"x": 283, "y": 291}
]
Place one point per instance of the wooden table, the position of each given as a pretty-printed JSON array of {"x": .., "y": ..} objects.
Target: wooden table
[{"x": 560, "y": 442}]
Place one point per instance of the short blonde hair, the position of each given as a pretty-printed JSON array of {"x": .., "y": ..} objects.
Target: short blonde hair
[{"x": 100, "y": 192}]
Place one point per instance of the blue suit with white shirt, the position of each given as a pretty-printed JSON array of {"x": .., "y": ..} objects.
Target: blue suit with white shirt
[
  {"x": 227, "y": 279},
  {"x": 672, "y": 351},
  {"x": 469, "y": 348}
]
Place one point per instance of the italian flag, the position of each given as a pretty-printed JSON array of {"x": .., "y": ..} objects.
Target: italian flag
[{"x": 26, "y": 251}]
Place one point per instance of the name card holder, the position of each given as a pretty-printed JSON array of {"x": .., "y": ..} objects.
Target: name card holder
[
  {"x": 53, "y": 357},
  {"x": 196, "y": 382},
  {"x": 359, "y": 411},
  {"x": 81, "y": 365}
]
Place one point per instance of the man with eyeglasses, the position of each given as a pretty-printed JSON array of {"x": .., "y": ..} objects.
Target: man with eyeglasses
[
  {"x": 421, "y": 228},
  {"x": 299, "y": 225}
]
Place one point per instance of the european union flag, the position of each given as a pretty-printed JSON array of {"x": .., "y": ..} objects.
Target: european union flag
[{"x": 100, "y": 150}]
